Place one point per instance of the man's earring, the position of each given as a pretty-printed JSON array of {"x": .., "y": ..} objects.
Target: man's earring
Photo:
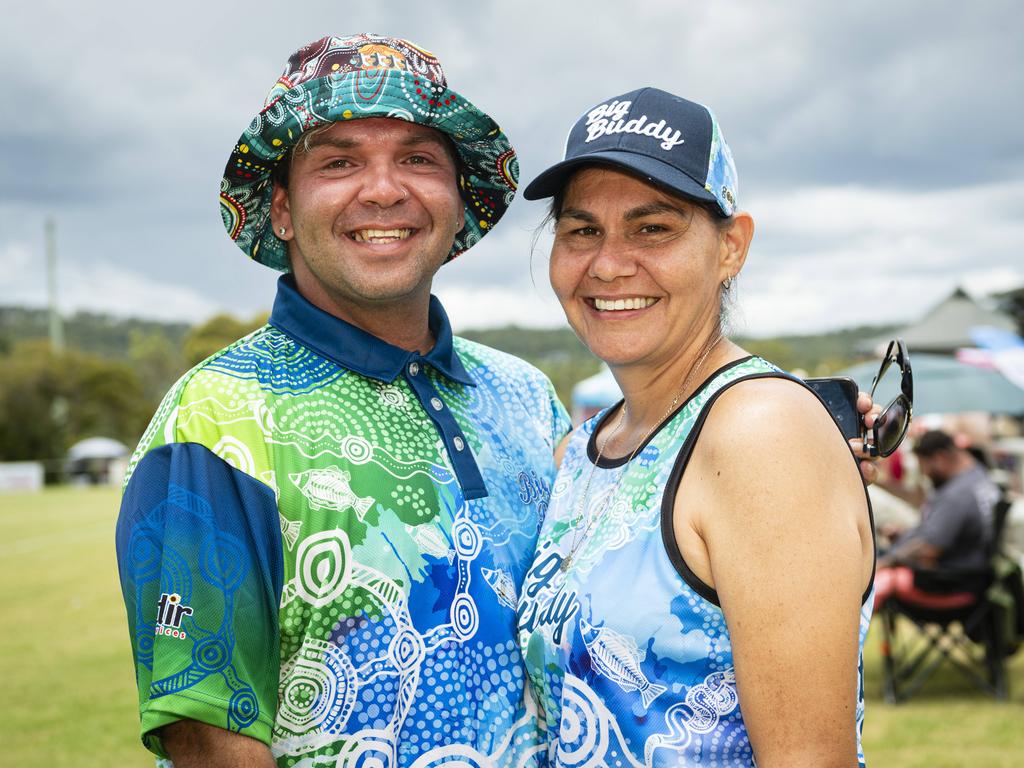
[{"x": 281, "y": 231}]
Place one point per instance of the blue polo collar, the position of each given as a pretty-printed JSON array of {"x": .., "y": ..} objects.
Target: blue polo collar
[
  {"x": 365, "y": 354},
  {"x": 356, "y": 349}
]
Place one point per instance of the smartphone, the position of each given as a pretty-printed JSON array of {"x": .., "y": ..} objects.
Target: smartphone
[{"x": 840, "y": 396}]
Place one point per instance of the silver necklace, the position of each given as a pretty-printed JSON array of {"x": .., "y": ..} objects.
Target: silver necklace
[{"x": 578, "y": 539}]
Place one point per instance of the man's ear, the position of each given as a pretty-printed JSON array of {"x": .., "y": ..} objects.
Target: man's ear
[{"x": 280, "y": 213}]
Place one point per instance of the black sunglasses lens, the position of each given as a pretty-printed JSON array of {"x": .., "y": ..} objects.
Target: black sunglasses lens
[{"x": 891, "y": 426}]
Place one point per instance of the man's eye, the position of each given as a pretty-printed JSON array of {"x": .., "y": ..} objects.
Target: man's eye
[
  {"x": 420, "y": 160},
  {"x": 338, "y": 163}
]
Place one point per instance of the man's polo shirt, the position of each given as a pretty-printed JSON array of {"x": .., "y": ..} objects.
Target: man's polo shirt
[{"x": 322, "y": 540}]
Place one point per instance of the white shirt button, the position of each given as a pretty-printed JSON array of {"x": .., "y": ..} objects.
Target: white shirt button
[
  {"x": 459, "y": 445},
  {"x": 436, "y": 403},
  {"x": 414, "y": 368}
]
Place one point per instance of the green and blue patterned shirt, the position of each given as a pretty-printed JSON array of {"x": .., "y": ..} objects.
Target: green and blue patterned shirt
[{"x": 322, "y": 541}]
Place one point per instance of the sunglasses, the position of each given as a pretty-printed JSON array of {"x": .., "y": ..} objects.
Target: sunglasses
[{"x": 892, "y": 423}]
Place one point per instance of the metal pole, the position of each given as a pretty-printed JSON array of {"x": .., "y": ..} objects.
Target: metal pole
[{"x": 56, "y": 324}]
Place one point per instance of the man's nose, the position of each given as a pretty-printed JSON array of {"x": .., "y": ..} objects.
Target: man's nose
[{"x": 383, "y": 186}]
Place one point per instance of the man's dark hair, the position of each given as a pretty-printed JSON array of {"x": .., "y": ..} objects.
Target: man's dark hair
[{"x": 932, "y": 442}]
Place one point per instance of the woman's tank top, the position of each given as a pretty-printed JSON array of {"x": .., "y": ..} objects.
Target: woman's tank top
[{"x": 627, "y": 652}]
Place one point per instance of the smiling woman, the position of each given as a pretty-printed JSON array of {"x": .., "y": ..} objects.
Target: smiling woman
[
  {"x": 694, "y": 527},
  {"x": 637, "y": 270}
]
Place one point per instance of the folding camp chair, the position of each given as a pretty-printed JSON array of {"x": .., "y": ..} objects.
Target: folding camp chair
[{"x": 975, "y": 639}]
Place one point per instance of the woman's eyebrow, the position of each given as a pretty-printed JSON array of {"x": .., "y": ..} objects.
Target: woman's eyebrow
[
  {"x": 578, "y": 213},
  {"x": 650, "y": 209}
]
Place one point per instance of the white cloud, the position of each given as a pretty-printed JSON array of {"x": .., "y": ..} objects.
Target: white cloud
[
  {"x": 812, "y": 96},
  {"x": 842, "y": 256},
  {"x": 101, "y": 287}
]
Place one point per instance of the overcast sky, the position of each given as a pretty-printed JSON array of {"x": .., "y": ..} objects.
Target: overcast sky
[{"x": 879, "y": 144}]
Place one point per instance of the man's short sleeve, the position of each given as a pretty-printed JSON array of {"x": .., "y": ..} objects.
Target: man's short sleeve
[
  {"x": 943, "y": 524},
  {"x": 561, "y": 424},
  {"x": 199, "y": 555}
]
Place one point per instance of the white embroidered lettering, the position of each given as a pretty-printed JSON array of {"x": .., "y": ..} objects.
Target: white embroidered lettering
[{"x": 608, "y": 119}]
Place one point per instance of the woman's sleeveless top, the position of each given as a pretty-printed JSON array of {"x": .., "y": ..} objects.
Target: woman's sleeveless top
[{"x": 630, "y": 662}]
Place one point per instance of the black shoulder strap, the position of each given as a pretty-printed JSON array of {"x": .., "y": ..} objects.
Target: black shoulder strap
[{"x": 668, "y": 501}]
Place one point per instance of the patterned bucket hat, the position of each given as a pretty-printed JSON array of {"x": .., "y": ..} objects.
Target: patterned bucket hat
[{"x": 346, "y": 78}]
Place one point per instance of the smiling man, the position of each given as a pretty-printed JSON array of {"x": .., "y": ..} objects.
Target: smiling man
[{"x": 326, "y": 526}]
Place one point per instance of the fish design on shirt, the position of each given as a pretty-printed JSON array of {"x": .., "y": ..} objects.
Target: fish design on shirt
[
  {"x": 501, "y": 582},
  {"x": 431, "y": 541},
  {"x": 705, "y": 704},
  {"x": 290, "y": 530},
  {"x": 617, "y": 657},
  {"x": 329, "y": 488}
]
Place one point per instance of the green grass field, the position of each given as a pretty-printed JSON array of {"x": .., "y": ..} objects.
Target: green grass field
[{"x": 69, "y": 690}]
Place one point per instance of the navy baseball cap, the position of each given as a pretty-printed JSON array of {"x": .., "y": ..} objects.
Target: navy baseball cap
[{"x": 673, "y": 143}]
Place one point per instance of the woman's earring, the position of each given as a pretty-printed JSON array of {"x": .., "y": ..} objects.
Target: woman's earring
[{"x": 727, "y": 283}]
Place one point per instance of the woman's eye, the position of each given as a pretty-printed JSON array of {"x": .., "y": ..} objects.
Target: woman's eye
[
  {"x": 653, "y": 229},
  {"x": 585, "y": 231}
]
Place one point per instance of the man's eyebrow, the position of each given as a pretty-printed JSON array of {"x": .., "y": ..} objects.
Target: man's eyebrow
[
  {"x": 424, "y": 138},
  {"x": 340, "y": 143},
  {"x": 330, "y": 141},
  {"x": 651, "y": 209}
]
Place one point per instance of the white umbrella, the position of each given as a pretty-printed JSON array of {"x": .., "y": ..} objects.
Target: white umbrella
[{"x": 97, "y": 448}]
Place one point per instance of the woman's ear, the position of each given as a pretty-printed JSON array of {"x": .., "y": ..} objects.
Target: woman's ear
[{"x": 735, "y": 242}]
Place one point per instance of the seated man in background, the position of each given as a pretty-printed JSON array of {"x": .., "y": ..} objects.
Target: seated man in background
[{"x": 955, "y": 532}]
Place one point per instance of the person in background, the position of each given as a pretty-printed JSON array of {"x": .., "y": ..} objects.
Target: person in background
[
  {"x": 955, "y": 532},
  {"x": 701, "y": 589},
  {"x": 326, "y": 525}
]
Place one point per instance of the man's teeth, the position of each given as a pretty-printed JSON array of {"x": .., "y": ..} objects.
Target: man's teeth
[
  {"x": 610, "y": 305},
  {"x": 380, "y": 235}
]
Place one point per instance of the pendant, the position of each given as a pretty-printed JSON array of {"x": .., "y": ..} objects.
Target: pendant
[{"x": 566, "y": 562}]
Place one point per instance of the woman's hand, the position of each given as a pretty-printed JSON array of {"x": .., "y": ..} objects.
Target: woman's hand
[{"x": 866, "y": 460}]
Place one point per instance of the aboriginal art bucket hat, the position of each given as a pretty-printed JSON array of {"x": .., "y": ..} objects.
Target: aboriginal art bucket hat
[{"x": 346, "y": 78}]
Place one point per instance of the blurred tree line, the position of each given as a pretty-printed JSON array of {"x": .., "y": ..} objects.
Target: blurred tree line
[
  {"x": 108, "y": 381},
  {"x": 114, "y": 371}
]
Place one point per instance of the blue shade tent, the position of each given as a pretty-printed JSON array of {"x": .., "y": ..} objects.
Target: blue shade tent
[
  {"x": 944, "y": 385},
  {"x": 598, "y": 391},
  {"x": 594, "y": 393}
]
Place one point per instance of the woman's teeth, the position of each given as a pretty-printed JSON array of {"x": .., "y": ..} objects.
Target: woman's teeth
[{"x": 613, "y": 305}]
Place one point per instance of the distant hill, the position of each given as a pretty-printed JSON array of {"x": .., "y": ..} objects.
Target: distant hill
[
  {"x": 97, "y": 334},
  {"x": 820, "y": 354},
  {"x": 556, "y": 351}
]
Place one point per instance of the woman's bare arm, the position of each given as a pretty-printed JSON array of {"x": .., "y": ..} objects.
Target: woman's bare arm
[{"x": 779, "y": 505}]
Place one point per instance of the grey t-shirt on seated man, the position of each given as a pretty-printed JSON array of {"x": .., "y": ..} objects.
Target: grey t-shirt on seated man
[{"x": 957, "y": 519}]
